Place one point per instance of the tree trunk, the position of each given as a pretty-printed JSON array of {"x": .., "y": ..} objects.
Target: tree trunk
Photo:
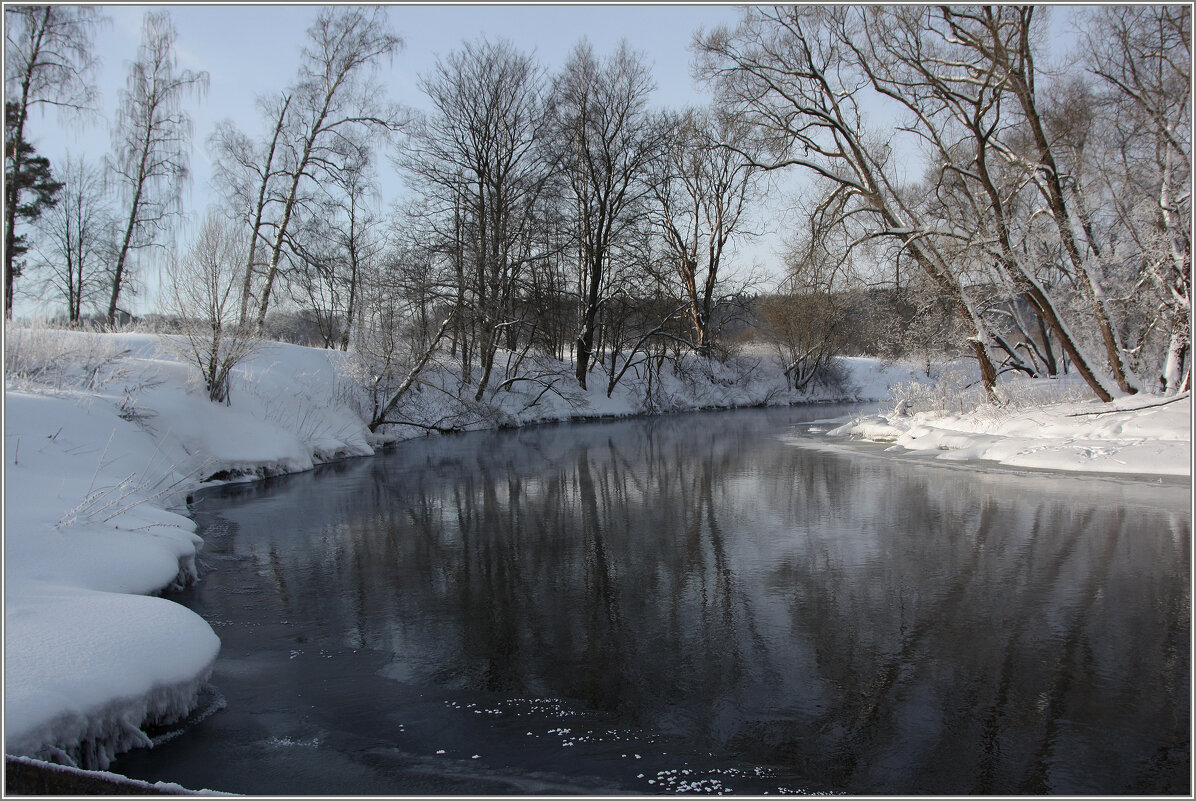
[
  {"x": 1176, "y": 368},
  {"x": 119, "y": 269},
  {"x": 585, "y": 341},
  {"x": 257, "y": 218},
  {"x": 11, "y": 195},
  {"x": 126, "y": 241}
]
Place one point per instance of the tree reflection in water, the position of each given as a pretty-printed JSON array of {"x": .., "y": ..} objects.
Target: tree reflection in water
[{"x": 874, "y": 624}]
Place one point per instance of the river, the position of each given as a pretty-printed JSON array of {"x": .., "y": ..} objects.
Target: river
[{"x": 709, "y": 602}]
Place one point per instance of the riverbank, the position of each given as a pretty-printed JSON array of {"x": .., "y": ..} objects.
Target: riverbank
[
  {"x": 1134, "y": 435},
  {"x": 106, "y": 435},
  {"x": 24, "y": 776}
]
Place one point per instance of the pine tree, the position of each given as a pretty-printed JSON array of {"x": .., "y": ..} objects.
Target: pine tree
[{"x": 29, "y": 187}]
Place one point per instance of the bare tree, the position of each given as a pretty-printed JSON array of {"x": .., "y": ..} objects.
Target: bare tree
[
  {"x": 481, "y": 162},
  {"x": 333, "y": 97},
  {"x": 702, "y": 187},
  {"x": 785, "y": 71},
  {"x": 335, "y": 249},
  {"x": 401, "y": 316},
  {"x": 247, "y": 176},
  {"x": 76, "y": 240},
  {"x": 602, "y": 130},
  {"x": 48, "y": 61},
  {"x": 203, "y": 292},
  {"x": 151, "y": 145},
  {"x": 1142, "y": 58},
  {"x": 806, "y": 320}
]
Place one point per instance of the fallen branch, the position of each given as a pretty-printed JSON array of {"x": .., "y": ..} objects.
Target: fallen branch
[
  {"x": 380, "y": 418},
  {"x": 1178, "y": 397}
]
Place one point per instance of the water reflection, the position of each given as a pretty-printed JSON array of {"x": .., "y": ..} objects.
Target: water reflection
[{"x": 853, "y": 622}]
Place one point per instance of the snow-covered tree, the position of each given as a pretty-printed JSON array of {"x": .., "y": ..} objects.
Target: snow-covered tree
[{"x": 789, "y": 72}]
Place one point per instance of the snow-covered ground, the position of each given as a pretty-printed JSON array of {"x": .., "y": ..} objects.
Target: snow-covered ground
[
  {"x": 105, "y": 436},
  {"x": 1134, "y": 435}
]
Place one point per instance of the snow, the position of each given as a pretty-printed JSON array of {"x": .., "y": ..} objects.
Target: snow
[
  {"x": 88, "y": 657},
  {"x": 100, "y": 782},
  {"x": 106, "y": 435},
  {"x": 1133, "y": 435}
]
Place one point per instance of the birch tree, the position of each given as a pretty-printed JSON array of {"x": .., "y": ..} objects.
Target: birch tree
[
  {"x": 334, "y": 96},
  {"x": 151, "y": 145},
  {"x": 247, "y": 174},
  {"x": 335, "y": 249}
]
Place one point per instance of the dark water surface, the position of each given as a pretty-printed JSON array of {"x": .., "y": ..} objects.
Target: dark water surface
[{"x": 689, "y": 603}]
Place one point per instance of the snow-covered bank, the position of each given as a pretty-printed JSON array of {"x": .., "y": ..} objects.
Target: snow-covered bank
[
  {"x": 1138, "y": 435},
  {"x": 105, "y": 437},
  {"x": 25, "y": 776}
]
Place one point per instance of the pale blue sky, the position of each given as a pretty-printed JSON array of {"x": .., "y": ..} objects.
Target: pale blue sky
[
  {"x": 253, "y": 50},
  {"x": 250, "y": 50}
]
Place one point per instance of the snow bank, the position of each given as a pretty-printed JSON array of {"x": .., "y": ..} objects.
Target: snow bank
[
  {"x": 1141, "y": 435},
  {"x": 88, "y": 657},
  {"x": 105, "y": 435},
  {"x": 25, "y": 776}
]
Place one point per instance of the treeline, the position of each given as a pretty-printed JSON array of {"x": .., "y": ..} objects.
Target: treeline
[{"x": 558, "y": 216}]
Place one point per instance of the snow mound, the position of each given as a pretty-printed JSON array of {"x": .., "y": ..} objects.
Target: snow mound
[
  {"x": 1137, "y": 435},
  {"x": 105, "y": 437}
]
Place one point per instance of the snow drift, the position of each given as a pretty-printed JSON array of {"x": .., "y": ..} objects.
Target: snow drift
[{"x": 1135, "y": 435}]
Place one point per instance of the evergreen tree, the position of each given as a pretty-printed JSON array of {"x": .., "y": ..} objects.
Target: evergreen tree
[{"x": 29, "y": 187}]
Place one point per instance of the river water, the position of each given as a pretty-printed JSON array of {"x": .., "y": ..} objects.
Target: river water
[{"x": 710, "y": 602}]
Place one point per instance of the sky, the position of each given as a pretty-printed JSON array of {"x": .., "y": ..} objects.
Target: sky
[{"x": 252, "y": 50}]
